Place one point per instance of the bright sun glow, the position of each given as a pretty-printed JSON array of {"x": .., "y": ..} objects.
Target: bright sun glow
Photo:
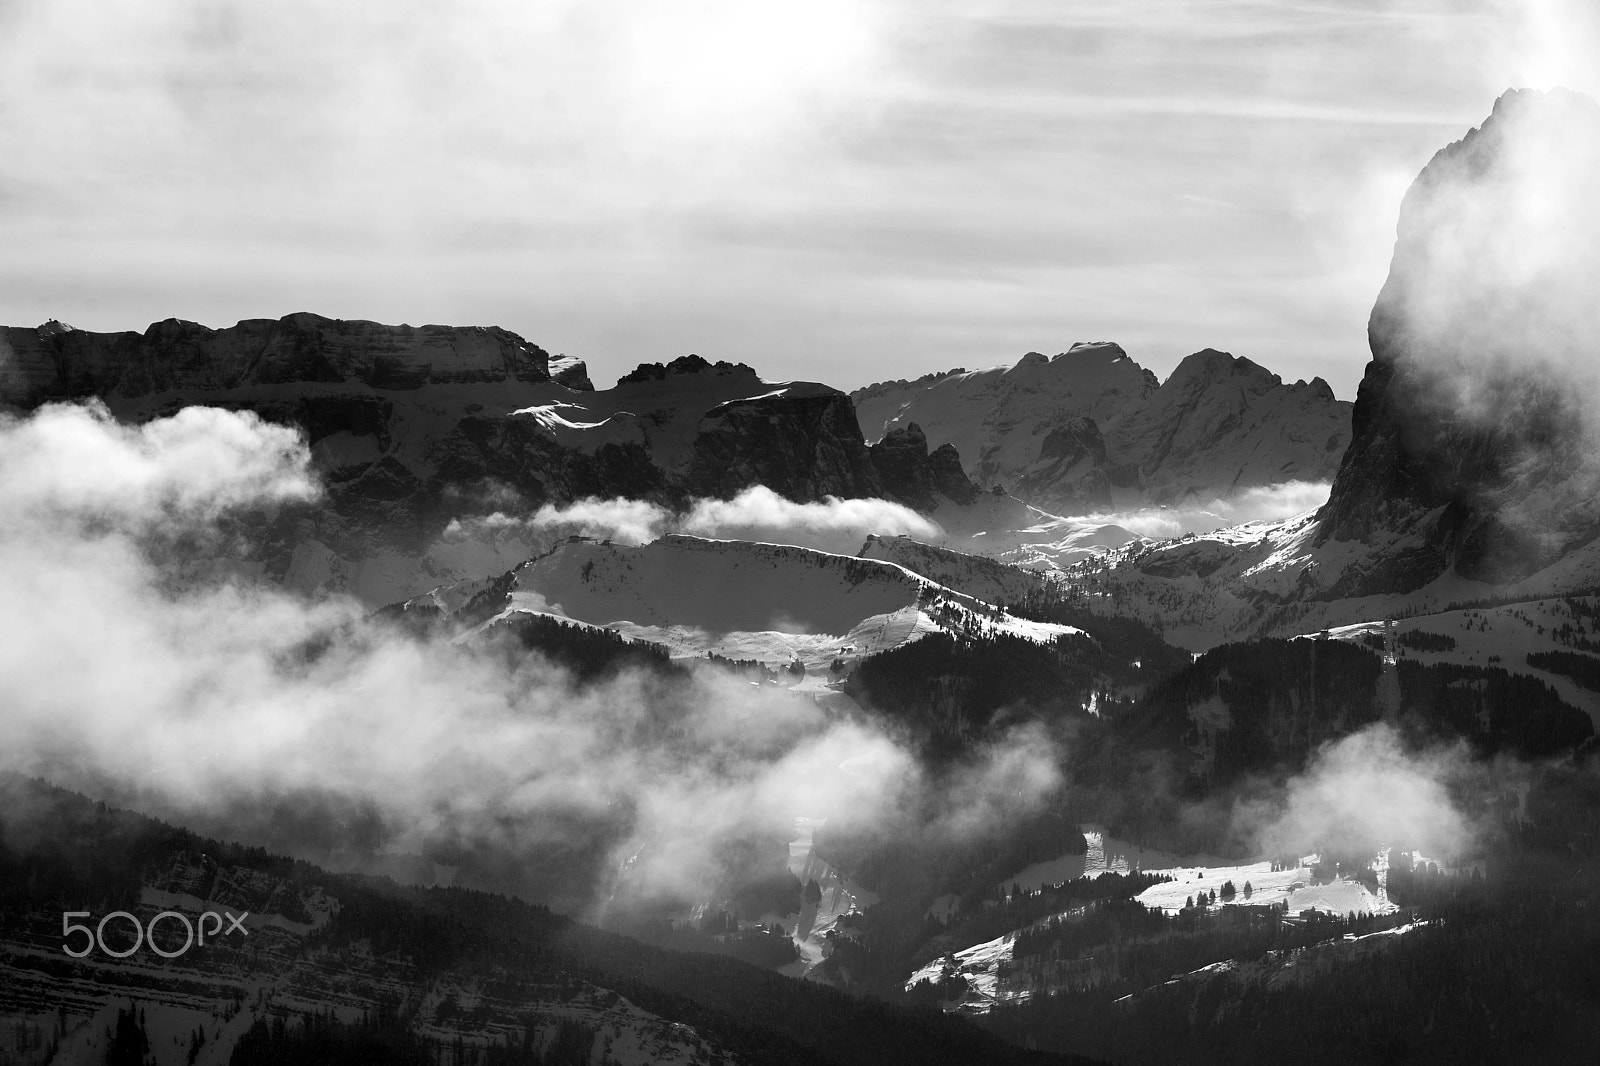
[
  {"x": 709, "y": 68},
  {"x": 1560, "y": 45}
]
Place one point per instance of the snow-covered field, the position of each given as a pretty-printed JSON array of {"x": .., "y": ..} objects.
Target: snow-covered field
[
  {"x": 1292, "y": 886},
  {"x": 794, "y": 603},
  {"x": 1193, "y": 874},
  {"x": 980, "y": 964}
]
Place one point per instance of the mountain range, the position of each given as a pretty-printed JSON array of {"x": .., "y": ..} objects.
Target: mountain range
[
  {"x": 1322, "y": 785},
  {"x": 1089, "y": 431}
]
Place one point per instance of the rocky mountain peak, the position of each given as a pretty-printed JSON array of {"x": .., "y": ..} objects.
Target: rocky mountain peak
[
  {"x": 1083, "y": 357},
  {"x": 1210, "y": 361},
  {"x": 917, "y": 477},
  {"x": 685, "y": 365},
  {"x": 1105, "y": 351},
  {"x": 1221, "y": 423},
  {"x": 1473, "y": 435}
]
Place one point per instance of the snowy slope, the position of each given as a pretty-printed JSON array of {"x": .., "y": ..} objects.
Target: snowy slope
[
  {"x": 746, "y": 600},
  {"x": 977, "y": 576}
]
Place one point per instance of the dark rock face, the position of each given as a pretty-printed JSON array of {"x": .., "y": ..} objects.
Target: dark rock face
[
  {"x": 1073, "y": 465},
  {"x": 802, "y": 447},
  {"x": 1474, "y": 434},
  {"x": 684, "y": 364},
  {"x": 912, "y": 476},
  {"x": 54, "y": 363},
  {"x": 944, "y": 467}
]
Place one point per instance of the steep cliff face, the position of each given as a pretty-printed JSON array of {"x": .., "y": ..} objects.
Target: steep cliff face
[
  {"x": 1474, "y": 438},
  {"x": 917, "y": 477},
  {"x": 55, "y": 362}
]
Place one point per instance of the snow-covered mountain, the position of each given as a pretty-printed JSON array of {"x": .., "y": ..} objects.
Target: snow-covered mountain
[{"x": 1090, "y": 430}]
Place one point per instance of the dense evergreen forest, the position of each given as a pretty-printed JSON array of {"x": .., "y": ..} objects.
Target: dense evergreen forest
[
  {"x": 951, "y": 693},
  {"x": 1506, "y": 968}
]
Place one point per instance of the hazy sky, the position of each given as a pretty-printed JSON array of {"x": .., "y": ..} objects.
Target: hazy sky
[{"x": 829, "y": 189}]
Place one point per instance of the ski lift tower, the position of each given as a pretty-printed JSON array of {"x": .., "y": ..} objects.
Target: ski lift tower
[{"x": 1389, "y": 681}]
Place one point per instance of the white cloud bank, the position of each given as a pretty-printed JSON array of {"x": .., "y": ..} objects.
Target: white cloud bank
[
  {"x": 250, "y": 712},
  {"x": 832, "y": 524},
  {"x": 1265, "y": 503}
]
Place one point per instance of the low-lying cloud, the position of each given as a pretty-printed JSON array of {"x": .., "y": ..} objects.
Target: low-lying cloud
[
  {"x": 1368, "y": 790},
  {"x": 247, "y": 711},
  {"x": 758, "y": 513},
  {"x": 1263, "y": 503},
  {"x": 77, "y": 463}
]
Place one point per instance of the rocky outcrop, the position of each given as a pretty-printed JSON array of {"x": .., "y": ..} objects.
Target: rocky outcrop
[
  {"x": 803, "y": 447},
  {"x": 1474, "y": 441},
  {"x": 914, "y": 476}
]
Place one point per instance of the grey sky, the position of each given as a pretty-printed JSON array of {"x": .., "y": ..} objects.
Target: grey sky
[{"x": 828, "y": 189}]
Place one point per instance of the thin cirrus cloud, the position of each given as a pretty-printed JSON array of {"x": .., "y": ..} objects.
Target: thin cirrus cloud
[{"x": 834, "y": 190}]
